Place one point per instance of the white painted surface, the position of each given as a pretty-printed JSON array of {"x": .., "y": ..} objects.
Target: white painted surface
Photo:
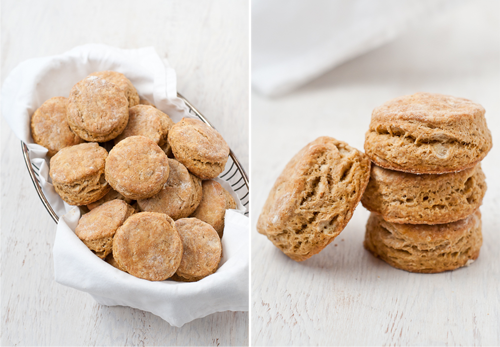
[
  {"x": 207, "y": 43},
  {"x": 344, "y": 296}
]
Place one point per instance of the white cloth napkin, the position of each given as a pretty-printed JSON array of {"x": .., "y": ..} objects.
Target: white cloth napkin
[
  {"x": 295, "y": 41},
  {"x": 36, "y": 80}
]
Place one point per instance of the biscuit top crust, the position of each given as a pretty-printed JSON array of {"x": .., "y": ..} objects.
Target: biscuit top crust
[
  {"x": 422, "y": 234},
  {"x": 97, "y": 106},
  {"x": 122, "y": 83},
  {"x": 137, "y": 165},
  {"x": 428, "y": 107},
  {"x": 103, "y": 220},
  {"x": 49, "y": 126},
  {"x": 175, "y": 195},
  {"x": 213, "y": 203},
  {"x": 199, "y": 140},
  {"x": 148, "y": 246},
  {"x": 73, "y": 163},
  {"x": 144, "y": 121},
  {"x": 202, "y": 248}
]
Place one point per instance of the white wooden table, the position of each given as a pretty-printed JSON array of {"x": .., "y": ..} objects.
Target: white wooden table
[
  {"x": 207, "y": 43},
  {"x": 344, "y": 296}
]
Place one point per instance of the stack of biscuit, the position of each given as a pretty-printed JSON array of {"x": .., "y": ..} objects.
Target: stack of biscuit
[
  {"x": 139, "y": 195},
  {"x": 426, "y": 184}
]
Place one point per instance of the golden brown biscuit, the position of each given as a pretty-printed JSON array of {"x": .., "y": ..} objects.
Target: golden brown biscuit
[
  {"x": 143, "y": 121},
  {"x": 199, "y": 147},
  {"x": 77, "y": 173},
  {"x": 425, "y": 248},
  {"x": 137, "y": 168},
  {"x": 97, "y": 110},
  {"x": 97, "y": 228},
  {"x": 148, "y": 246},
  {"x": 112, "y": 195},
  {"x": 111, "y": 261},
  {"x": 401, "y": 197},
  {"x": 180, "y": 195},
  {"x": 202, "y": 249},
  {"x": 214, "y": 203},
  {"x": 49, "y": 126},
  {"x": 314, "y": 197},
  {"x": 122, "y": 83},
  {"x": 428, "y": 133}
]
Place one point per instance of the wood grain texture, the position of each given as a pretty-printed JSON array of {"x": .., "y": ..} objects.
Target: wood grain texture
[
  {"x": 207, "y": 43},
  {"x": 344, "y": 296}
]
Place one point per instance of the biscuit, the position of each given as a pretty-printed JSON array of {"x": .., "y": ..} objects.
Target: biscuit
[
  {"x": 143, "y": 121},
  {"x": 214, "y": 203},
  {"x": 97, "y": 110},
  {"x": 137, "y": 168},
  {"x": 314, "y": 197},
  {"x": 112, "y": 195},
  {"x": 122, "y": 83},
  {"x": 148, "y": 246},
  {"x": 202, "y": 249},
  {"x": 77, "y": 173},
  {"x": 49, "y": 126},
  {"x": 179, "y": 197},
  {"x": 407, "y": 198},
  {"x": 97, "y": 228},
  {"x": 428, "y": 133},
  {"x": 199, "y": 147},
  {"x": 111, "y": 261},
  {"x": 425, "y": 248}
]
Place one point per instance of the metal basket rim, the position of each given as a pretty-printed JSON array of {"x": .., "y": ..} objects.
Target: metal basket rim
[{"x": 46, "y": 203}]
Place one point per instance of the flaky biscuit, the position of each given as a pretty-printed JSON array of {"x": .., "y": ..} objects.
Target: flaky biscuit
[
  {"x": 425, "y": 248},
  {"x": 148, "y": 246},
  {"x": 314, "y": 197},
  {"x": 49, "y": 126},
  {"x": 407, "y": 198},
  {"x": 214, "y": 203},
  {"x": 428, "y": 133},
  {"x": 202, "y": 249},
  {"x": 77, "y": 173},
  {"x": 179, "y": 197},
  {"x": 143, "y": 121},
  {"x": 137, "y": 168},
  {"x": 111, "y": 195},
  {"x": 97, "y": 228},
  {"x": 199, "y": 147},
  {"x": 122, "y": 83},
  {"x": 97, "y": 109}
]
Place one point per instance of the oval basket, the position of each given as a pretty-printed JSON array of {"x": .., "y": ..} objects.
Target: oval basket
[{"x": 234, "y": 173}]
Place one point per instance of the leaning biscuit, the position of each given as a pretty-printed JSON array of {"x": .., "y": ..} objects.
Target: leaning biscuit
[
  {"x": 179, "y": 197},
  {"x": 97, "y": 110},
  {"x": 428, "y": 133},
  {"x": 406, "y": 198},
  {"x": 314, "y": 197},
  {"x": 202, "y": 249},
  {"x": 122, "y": 83},
  {"x": 144, "y": 121},
  {"x": 425, "y": 248},
  {"x": 77, "y": 173},
  {"x": 137, "y": 168},
  {"x": 148, "y": 246},
  {"x": 199, "y": 147},
  {"x": 97, "y": 228},
  {"x": 214, "y": 203},
  {"x": 49, "y": 126}
]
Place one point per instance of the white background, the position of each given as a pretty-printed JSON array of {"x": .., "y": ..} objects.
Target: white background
[
  {"x": 207, "y": 43},
  {"x": 344, "y": 296}
]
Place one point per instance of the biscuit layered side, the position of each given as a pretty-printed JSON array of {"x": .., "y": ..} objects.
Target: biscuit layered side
[
  {"x": 314, "y": 197},
  {"x": 427, "y": 184}
]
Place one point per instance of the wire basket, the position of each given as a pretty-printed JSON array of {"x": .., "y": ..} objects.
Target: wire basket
[{"x": 234, "y": 173}]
